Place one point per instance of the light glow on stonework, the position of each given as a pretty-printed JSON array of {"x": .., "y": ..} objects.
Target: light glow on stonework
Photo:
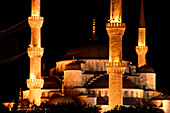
[
  {"x": 32, "y": 76},
  {"x": 36, "y": 14},
  {"x": 141, "y": 37},
  {"x": 114, "y": 21}
]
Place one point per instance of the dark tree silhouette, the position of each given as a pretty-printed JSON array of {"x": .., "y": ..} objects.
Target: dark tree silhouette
[
  {"x": 60, "y": 108},
  {"x": 136, "y": 109}
]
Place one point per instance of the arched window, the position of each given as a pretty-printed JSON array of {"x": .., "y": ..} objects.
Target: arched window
[
  {"x": 61, "y": 67},
  {"x": 132, "y": 94},
  {"x": 99, "y": 94},
  {"x": 125, "y": 93},
  {"x": 106, "y": 93},
  {"x": 97, "y": 66},
  {"x": 136, "y": 94},
  {"x": 44, "y": 94}
]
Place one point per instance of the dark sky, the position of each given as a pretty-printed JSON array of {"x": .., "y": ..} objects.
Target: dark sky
[{"x": 69, "y": 23}]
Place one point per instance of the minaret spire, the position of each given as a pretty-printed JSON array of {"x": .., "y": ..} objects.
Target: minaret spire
[
  {"x": 35, "y": 52},
  {"x": 141, "y": 49},
  {"x": 142, "y": 16},
  {"x": 115, "y": 67}
]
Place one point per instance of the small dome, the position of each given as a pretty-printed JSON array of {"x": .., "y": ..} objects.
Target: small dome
[
  {"x": 74, "y": 66},
  {"x": 145, "y": 69},
  {"x": 25, "y": 102},
  {"x": 62, "y": 99}
]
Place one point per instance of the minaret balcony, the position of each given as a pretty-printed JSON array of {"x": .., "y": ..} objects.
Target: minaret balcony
[
  {"x": 36, "y": 18},
  {"x": 115, "y": 24},
  {"x": 35, "y": 83},
  {"x": 118, "y": 64},
  {"x": 115, "y": 67},
  {"x": 35, "y": 21},
  {"x": 35, "y": 52},
  {"x": 141, "y": 49}
]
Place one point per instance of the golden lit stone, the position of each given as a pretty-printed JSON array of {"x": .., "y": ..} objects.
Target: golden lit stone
[
  {"x": 141, "y": 37},
  {"x": 115, "y": 68},
  {"x": 35, "y": 52},
  {"x": 116, "y": 11},
  {"x": 35, "y": 9},
  {"x": 115, "y": 71},
  {"x": 141, "y": 51},
  {"x": 35, "y": 86}
]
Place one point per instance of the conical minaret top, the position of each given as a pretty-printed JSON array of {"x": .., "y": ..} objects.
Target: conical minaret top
[
  {"x": 142, "y": 17},
  {"x": 116, "y": 11},
  {"x": 142, "y": 29}
]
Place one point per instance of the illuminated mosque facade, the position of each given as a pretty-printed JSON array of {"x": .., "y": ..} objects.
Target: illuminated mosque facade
[{"x": 94, "y": 73}]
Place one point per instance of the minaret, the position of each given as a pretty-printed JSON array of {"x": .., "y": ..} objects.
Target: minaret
[
  {"x": 35, "y": 52},
  {"x": 141, "y": 49},
  {"x": 115, "y": 67}
]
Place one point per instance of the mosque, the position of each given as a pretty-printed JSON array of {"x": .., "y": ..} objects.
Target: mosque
[{"x": 94, "y": 73}]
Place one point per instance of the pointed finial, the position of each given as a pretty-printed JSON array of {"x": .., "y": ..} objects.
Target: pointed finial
[
  {"x": 142, "y": 17},
  {"x": 20, "y": 91},
  {"x": 62, "y": 90},
  {"x": 94, "y": 27},
  {"x": 94, "y": 31}
]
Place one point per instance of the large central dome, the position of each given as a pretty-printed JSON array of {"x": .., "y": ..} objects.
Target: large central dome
[{"x": 94, "y": 49}]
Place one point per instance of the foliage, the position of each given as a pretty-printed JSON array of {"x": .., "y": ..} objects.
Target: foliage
[
  {"x": 137, "y": 109},
  {"x": 3, "y": 109},
  {"x": 60, "y": 108}
]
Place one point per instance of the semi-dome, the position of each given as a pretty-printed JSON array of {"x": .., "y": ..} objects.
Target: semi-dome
[
  {"x": 74, "y": 65},
  {"x": 51, "y": 83},
  {"x": 94, "y": 49},
  {"x": 145, "y": 69}
]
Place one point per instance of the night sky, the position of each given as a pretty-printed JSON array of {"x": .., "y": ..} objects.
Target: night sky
[{"x": 68, "y": 24}]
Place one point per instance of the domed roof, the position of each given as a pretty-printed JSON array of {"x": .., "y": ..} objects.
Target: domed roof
[
  {"x": 145, "y": 69},
  {"x": 62, "y": 99},
  {"x": 74, "y": 66},
  {"x": 25, "y": 102},
  {"x": 51, "y": 83},
  {"x": 93, "y": 49}
]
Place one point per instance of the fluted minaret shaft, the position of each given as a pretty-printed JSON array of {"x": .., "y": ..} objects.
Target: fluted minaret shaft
[
  {"x": 116, "y": 10},
  {"x": 35, "y": 8},
  {"x": 35, "y": 52}
]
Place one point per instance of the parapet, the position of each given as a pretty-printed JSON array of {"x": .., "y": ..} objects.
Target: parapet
[
  {"x": 115, "y": 67},
  {"x": 115, "y": 25},
  {"x": 35, "y": 83}
]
